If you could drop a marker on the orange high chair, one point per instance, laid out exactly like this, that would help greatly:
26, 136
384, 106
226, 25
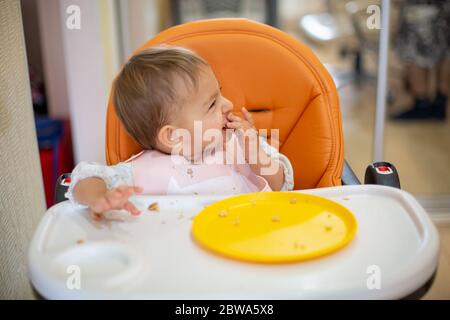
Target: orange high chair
286, 87
281, 82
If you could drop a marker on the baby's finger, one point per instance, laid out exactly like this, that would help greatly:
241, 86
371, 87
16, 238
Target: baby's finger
115, 194
127, 191
234, 125
135, 189
100, 205
233, 117
131, 208
116, 199
247, 115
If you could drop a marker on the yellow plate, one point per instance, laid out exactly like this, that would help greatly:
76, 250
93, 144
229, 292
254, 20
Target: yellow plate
274, 227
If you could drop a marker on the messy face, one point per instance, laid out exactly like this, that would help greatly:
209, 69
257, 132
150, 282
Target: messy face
204, 104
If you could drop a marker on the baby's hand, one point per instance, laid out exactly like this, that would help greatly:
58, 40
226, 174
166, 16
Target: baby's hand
116, 198
246, 133
242, 126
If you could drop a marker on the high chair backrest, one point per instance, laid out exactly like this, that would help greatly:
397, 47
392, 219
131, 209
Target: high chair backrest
275, 77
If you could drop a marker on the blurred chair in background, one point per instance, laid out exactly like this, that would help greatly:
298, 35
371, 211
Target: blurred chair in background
345, 22
423, 44
367, 44
367, 38
260, 10
333, 25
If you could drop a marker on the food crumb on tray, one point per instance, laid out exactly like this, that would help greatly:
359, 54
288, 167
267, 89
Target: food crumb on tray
153, 207
80, 241
223, 213
96, 216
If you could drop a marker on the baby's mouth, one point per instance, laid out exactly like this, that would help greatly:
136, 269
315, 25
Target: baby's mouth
225, 134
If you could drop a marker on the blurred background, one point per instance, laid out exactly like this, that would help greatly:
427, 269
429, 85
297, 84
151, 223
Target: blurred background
74, 48
71, 71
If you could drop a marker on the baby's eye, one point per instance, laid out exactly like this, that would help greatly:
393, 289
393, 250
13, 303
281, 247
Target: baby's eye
212, 105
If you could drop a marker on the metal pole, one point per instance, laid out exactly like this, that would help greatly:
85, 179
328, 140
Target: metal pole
380, 112
124, 34
175, 12
272, 13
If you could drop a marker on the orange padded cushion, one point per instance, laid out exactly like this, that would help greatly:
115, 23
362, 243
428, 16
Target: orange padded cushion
263, 69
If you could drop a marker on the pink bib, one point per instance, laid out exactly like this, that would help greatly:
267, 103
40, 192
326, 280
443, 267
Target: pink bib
159, 174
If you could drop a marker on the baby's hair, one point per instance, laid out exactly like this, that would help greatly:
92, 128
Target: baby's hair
143, 92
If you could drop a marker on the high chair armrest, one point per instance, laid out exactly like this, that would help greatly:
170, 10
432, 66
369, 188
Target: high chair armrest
348, 176
382, 173
62, 184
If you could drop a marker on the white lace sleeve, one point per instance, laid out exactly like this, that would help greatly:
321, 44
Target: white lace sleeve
114, 176
283, 160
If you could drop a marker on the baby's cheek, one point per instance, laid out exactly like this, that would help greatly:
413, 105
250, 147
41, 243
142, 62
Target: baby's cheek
206, 125
212, 122
219, 119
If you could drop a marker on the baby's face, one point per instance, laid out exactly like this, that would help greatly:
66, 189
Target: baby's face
205, 105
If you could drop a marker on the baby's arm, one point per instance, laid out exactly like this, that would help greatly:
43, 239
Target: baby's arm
102, 188
281, 163
270, 164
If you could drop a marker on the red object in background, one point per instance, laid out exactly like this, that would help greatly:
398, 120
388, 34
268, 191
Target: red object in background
65, 165
384, 169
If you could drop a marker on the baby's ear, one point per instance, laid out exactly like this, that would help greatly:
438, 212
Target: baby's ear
166, 138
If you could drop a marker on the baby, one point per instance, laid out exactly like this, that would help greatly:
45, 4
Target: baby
163, 96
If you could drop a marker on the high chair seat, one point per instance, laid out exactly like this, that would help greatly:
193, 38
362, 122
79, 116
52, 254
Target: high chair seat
287, 88
281, 82
275, 77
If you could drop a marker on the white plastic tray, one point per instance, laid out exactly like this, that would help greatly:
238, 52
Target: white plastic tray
155, 257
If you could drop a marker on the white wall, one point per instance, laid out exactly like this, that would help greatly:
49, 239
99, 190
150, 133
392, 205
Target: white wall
87, 86
79, 67
53, 58
140, 22
80, 64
